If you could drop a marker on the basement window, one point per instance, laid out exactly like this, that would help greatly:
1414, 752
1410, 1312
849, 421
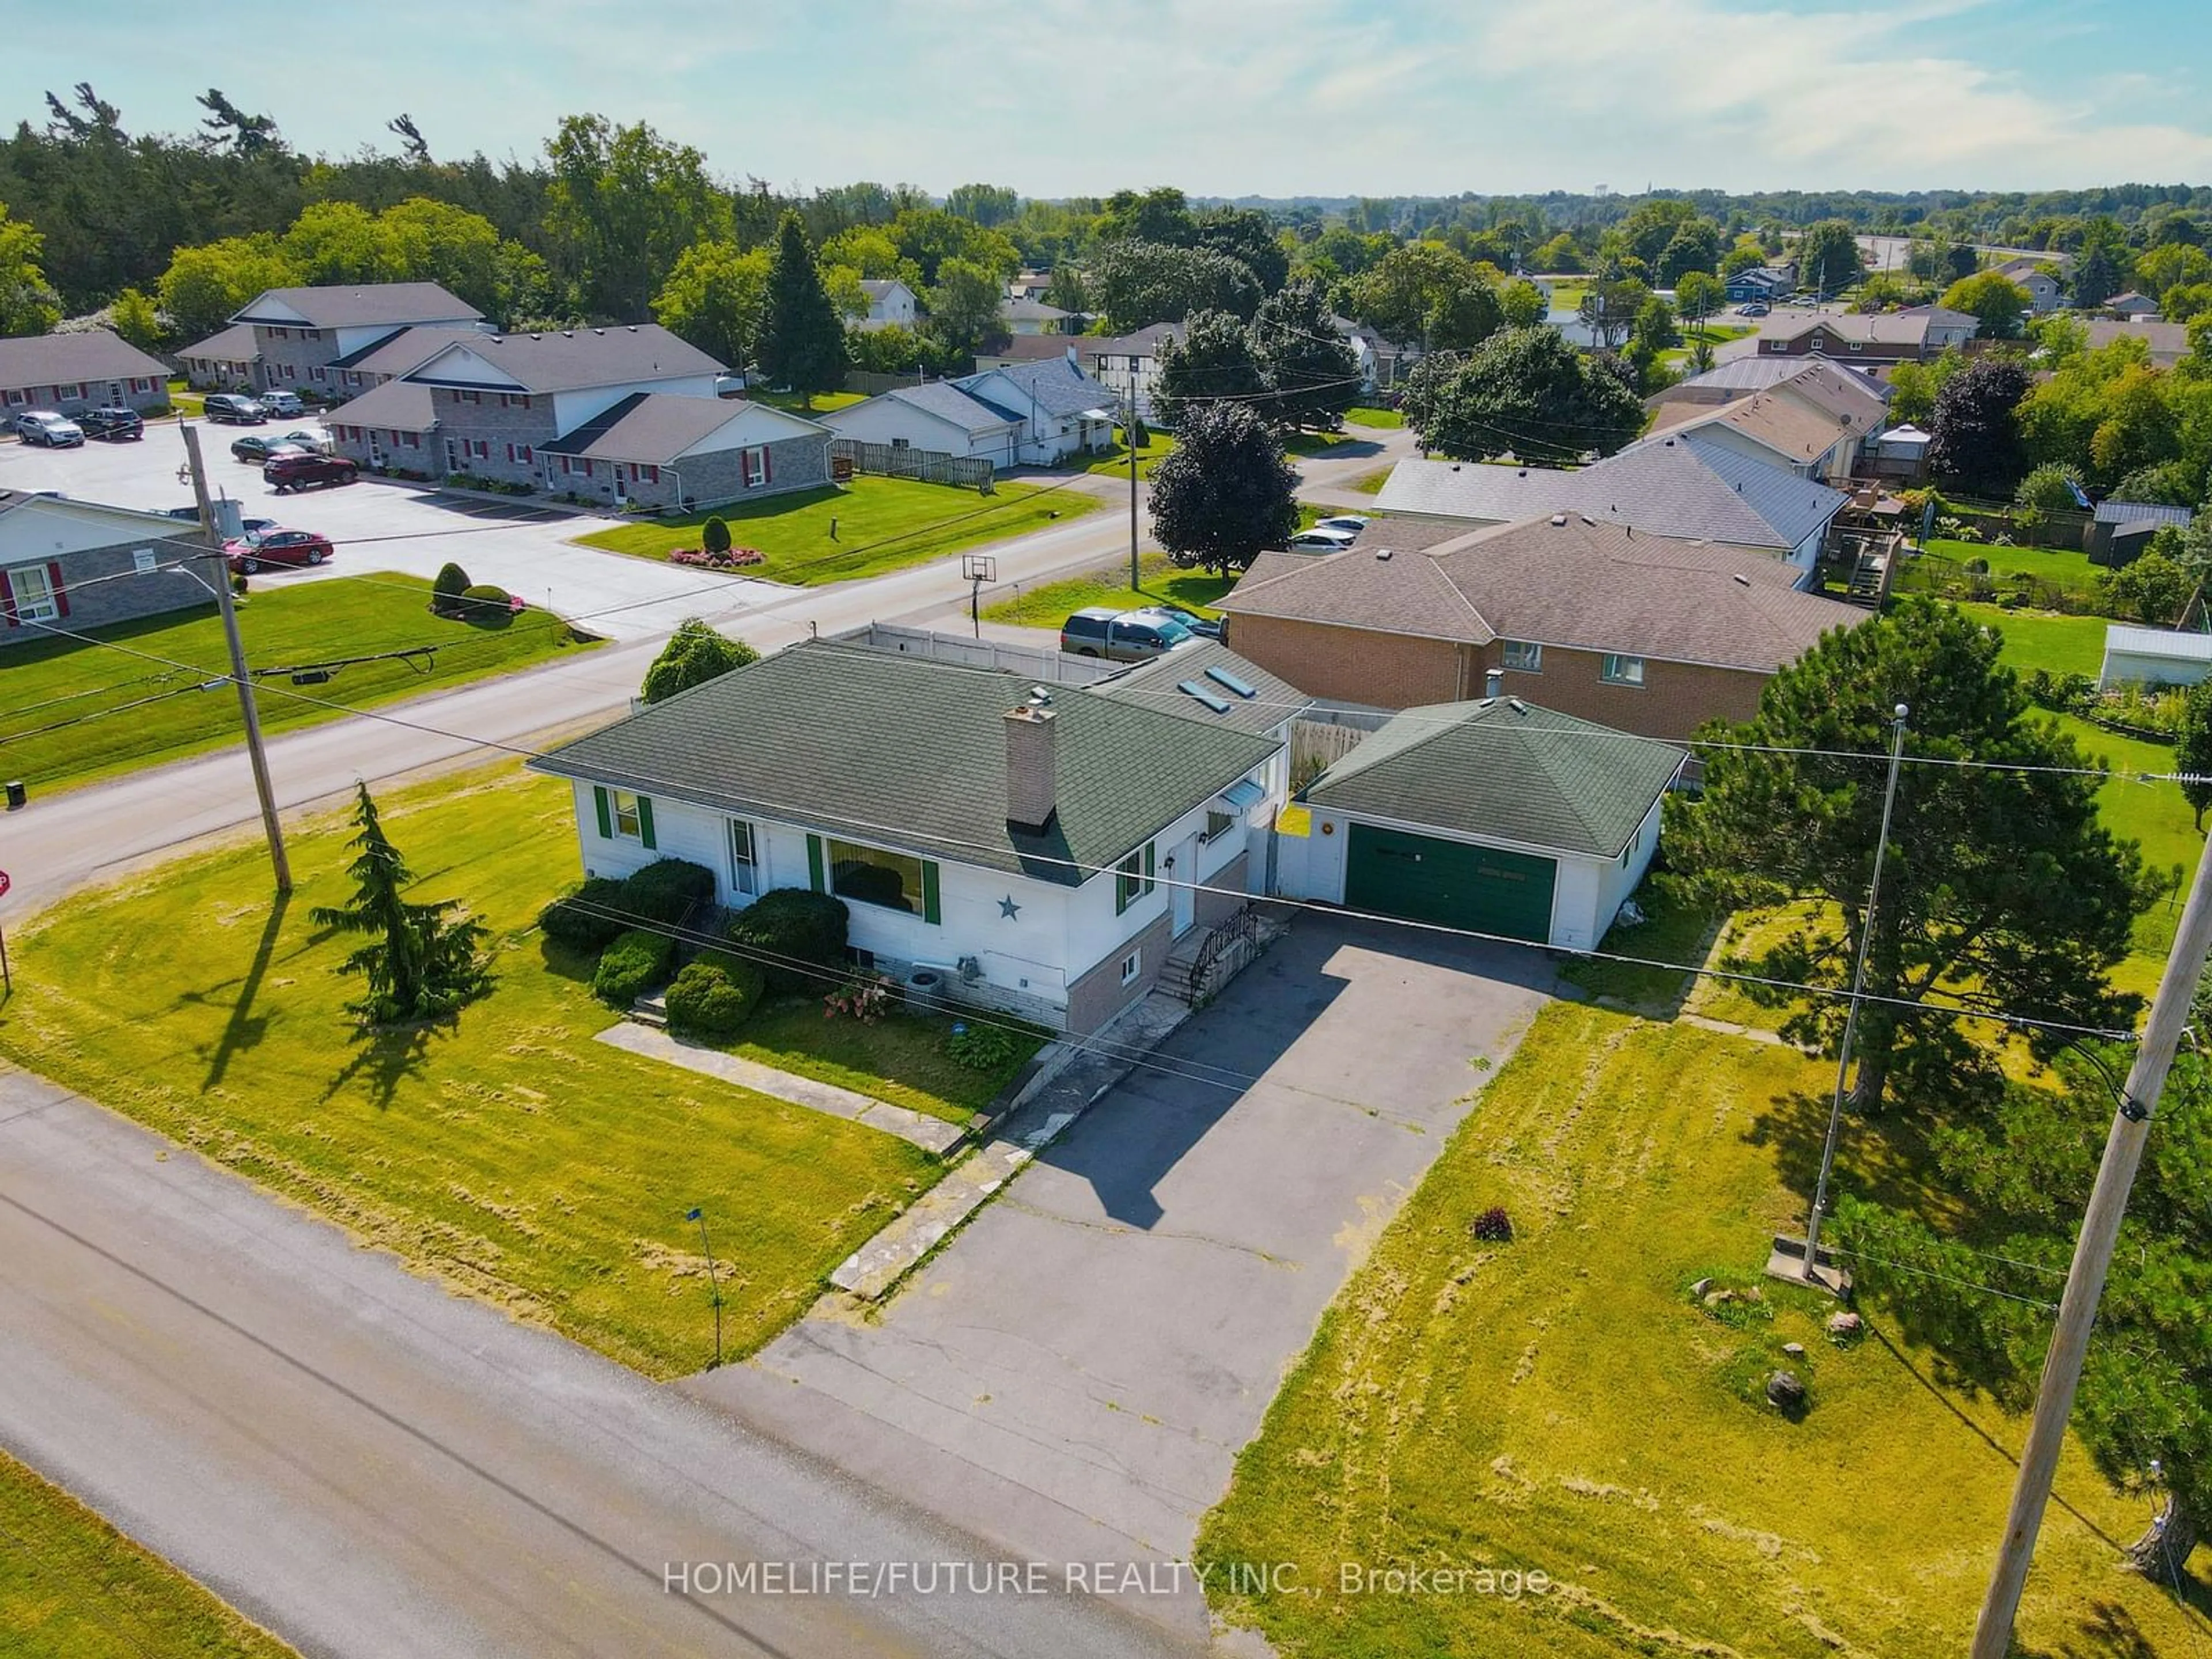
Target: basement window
1132, 965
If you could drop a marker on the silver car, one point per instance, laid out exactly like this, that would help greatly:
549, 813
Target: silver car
45, 427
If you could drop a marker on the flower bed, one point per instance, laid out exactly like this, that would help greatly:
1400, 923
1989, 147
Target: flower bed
729, 560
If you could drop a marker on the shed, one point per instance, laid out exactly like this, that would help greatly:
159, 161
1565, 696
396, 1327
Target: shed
2120, 530
2154, 656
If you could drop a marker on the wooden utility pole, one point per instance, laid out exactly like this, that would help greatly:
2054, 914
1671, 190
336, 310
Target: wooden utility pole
1129, 431
238, 677
2092, 1259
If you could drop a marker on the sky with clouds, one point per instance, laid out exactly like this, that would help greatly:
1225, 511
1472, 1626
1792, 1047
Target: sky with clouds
1222, 97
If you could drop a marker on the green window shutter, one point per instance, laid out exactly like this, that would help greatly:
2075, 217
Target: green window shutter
606, 813
930, 911
1148, 866
645, 822
814, 863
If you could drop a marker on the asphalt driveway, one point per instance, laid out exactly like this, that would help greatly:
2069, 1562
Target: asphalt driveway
1073, 1378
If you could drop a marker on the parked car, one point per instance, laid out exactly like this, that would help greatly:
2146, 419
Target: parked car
1318, 540
297, 470
247, 526
116, 425
1752, 308
1207, 627
250, 553
284, 405
1354, 522
1121, 636
256, 447
232, 409
51, 431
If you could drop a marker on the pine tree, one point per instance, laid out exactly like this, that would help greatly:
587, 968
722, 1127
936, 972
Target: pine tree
802, 339
421, 962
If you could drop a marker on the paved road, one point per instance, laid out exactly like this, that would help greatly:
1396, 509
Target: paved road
1078, 1372
372, 1468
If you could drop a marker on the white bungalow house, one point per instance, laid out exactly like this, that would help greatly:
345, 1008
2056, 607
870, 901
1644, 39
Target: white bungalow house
891, 303
1025, 414
1041, 850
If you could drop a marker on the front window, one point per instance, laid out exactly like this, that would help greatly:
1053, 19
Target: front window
1523, 657
627, 820
870, 875
744, 863
33, 591
755, 463
1218, 822
1622, 670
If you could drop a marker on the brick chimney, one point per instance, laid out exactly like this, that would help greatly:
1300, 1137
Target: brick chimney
1032, 746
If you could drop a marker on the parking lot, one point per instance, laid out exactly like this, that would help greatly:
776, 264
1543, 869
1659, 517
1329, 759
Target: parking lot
383, 526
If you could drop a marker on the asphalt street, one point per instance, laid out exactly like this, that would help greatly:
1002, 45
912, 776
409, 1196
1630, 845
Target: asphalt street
374, 1468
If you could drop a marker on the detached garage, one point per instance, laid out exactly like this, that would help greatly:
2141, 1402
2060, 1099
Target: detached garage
1495, 815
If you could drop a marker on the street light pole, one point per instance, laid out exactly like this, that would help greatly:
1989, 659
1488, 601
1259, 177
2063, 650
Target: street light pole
714, 1285
270, 825
2092, 1259
1851, 1018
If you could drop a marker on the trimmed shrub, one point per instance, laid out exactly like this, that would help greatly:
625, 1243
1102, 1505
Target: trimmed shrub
788, 930
666, 890
981, 1047
715, 536
711, 1000
568, 922
487, 604
632, 965
1493, 1226
446, 590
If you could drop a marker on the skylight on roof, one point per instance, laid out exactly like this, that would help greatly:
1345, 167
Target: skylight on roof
1223, 676
1193, 689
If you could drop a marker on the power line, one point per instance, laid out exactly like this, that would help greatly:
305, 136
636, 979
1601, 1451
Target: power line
896, 832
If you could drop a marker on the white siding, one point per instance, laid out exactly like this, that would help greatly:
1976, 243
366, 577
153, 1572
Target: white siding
886, 420
2140, 668
572, 409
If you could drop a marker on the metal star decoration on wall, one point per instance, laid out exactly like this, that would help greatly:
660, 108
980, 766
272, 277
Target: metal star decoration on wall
1008, 909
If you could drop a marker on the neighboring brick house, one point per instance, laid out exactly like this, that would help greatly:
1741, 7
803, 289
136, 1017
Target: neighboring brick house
89, 369
224, 362
495, 401
1648, 634
298, 333
82, 564
1041, 851
1888, 337
658, 449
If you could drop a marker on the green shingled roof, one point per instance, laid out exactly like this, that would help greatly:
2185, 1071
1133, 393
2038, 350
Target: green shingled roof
912, 754
1506, 770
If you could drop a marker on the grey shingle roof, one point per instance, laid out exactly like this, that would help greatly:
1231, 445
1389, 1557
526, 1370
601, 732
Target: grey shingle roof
1665, 487
355, 304
233, 344
658, 426
1506, 770
1059, 386
1157, 685
2141, 513
404, 349
912, 754
1582, 584
397, 405
1754, 374
943, 398
571, 358
94, 353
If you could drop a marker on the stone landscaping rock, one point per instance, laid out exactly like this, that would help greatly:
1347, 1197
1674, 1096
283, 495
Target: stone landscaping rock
1846, 1327
1795, 1350
1784, 1389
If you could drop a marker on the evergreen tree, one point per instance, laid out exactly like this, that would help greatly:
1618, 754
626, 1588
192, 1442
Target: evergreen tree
1525, 391
802, 338
1213, 361
2192, 749
422, 961
694, 654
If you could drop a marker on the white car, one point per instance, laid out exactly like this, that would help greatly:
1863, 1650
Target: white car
43, 426
1318, 540
282, 404
1354, 522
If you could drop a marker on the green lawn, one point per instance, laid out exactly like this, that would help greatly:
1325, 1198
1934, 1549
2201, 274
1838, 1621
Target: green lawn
182, 397
1115, 464
78, 712
1365, 415
1048, 606
1560, 1404
823, 403
1317, 443
902, 1058
71, 1587
2069, 571
510, 1156
880, 523
1566, 296
2042, 639
1370, 483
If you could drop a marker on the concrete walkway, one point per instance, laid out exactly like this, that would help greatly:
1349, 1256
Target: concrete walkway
932, 1134
871, 1270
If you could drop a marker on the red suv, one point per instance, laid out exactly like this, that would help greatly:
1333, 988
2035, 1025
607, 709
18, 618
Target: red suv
289, 473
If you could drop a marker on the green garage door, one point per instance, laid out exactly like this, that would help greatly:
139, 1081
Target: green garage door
1426, 879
